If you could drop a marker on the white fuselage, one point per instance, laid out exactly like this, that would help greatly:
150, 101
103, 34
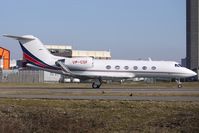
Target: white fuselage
123, 69
132, 68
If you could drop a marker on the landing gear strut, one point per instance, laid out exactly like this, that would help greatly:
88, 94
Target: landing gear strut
97, 83
179, 83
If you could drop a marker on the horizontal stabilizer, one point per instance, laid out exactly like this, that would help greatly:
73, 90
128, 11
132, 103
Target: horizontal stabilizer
26, 37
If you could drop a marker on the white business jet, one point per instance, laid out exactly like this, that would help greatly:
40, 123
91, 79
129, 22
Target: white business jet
37, 55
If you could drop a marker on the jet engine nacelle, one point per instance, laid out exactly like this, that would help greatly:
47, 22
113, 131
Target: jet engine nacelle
80, 63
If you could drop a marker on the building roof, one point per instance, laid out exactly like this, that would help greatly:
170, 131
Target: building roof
58, 47
79, 53
83, 53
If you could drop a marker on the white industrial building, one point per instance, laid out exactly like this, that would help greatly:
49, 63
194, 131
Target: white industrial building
57, 47
51, 77
67, 51
94, 54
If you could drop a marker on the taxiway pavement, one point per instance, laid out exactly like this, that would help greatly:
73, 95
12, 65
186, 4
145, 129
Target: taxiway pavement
146, 94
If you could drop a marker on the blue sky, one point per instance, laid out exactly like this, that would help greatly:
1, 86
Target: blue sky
130, 29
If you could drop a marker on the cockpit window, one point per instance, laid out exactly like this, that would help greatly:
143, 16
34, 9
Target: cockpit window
178, 65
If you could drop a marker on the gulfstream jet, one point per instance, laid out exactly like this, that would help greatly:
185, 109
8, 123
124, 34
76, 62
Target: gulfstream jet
37, 55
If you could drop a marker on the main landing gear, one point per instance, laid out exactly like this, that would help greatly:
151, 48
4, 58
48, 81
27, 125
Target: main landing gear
179, 83
97, 83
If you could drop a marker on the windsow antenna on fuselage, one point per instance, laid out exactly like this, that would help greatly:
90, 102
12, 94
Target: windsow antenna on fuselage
149, 59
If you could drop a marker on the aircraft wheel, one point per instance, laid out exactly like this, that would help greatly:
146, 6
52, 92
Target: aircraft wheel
179, 85
95, 86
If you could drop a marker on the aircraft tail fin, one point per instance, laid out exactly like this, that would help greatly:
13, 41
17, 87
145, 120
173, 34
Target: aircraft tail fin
34, 51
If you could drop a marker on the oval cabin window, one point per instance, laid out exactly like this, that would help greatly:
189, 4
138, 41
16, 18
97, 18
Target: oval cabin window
117, 67
144, 67
153, 67
126, 67
135, 68
108, 67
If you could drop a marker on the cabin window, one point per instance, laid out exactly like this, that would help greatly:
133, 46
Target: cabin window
135, 68
126, 67
108, 67
117, 67
144, 67
153, 67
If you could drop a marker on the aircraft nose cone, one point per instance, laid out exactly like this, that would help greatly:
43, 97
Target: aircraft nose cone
192, 73
189, 73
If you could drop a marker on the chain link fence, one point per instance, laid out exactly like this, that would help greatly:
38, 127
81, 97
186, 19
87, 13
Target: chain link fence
22, 76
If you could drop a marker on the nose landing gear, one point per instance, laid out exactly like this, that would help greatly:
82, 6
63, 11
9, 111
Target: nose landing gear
179, 83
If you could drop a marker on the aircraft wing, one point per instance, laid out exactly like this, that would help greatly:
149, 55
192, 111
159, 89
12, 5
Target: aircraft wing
105, 76
61, 64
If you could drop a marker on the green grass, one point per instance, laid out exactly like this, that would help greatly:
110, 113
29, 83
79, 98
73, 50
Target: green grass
45, 116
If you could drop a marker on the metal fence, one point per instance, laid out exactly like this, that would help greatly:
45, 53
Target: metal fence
0, 75
22, 76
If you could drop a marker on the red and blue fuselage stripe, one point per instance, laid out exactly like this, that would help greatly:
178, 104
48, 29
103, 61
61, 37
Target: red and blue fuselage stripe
34, 60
